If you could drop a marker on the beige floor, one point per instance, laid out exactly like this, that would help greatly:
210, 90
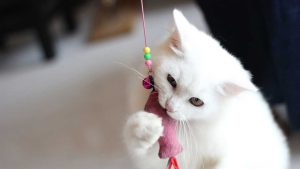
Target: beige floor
69, 114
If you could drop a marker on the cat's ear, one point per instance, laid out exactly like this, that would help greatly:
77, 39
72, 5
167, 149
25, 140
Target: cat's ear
182, 26
237, 84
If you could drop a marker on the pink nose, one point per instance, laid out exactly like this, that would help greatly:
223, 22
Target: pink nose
169, 107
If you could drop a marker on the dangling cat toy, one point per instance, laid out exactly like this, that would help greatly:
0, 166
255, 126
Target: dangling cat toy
169, 146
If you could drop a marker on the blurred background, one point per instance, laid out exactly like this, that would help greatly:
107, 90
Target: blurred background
65, 92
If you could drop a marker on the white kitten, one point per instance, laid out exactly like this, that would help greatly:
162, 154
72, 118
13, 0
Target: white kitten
224, 122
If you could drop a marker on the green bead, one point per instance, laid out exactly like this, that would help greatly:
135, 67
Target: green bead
147, 56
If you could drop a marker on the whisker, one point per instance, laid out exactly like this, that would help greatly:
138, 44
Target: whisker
156, 82
187, 135
142, 76
151, 84
193, 138
187, 143
130, 68
196, 148
182, 140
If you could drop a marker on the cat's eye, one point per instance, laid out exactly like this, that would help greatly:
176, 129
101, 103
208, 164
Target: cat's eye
196, 101
172, 81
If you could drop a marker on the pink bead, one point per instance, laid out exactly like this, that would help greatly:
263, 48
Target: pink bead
148, 63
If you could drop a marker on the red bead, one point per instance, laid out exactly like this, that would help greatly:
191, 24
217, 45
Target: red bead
147, 83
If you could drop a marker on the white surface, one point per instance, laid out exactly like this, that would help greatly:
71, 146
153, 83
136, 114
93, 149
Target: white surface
69, 114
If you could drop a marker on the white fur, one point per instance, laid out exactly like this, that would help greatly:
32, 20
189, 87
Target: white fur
234, 129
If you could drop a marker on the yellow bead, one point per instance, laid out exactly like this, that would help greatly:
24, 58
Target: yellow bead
147, 50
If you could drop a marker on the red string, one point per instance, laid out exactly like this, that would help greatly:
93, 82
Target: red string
144, 23
173, 163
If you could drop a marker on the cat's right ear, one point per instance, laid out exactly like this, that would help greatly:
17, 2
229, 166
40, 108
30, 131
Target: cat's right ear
237, 83
179, 33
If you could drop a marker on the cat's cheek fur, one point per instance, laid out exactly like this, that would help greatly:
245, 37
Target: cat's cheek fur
163, 88
162, 98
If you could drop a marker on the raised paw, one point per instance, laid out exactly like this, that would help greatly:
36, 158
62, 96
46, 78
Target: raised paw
143, 130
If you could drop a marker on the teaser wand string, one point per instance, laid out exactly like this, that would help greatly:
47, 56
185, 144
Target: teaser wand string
148, 82
144, 23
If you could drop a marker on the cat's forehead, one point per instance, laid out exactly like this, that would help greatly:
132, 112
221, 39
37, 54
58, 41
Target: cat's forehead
187, 74
193, 79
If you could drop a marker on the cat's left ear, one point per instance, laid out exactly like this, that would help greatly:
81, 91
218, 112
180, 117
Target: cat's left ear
237, 84
182, 26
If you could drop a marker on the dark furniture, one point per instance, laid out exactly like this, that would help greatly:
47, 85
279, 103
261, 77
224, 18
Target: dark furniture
19, 15
265, 35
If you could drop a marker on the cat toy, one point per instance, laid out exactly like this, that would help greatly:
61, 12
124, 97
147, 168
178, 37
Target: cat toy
169, 146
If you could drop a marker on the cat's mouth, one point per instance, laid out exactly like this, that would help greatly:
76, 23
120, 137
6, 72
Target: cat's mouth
172, 114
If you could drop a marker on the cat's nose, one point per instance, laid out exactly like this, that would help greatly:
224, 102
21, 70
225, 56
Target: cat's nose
169, 106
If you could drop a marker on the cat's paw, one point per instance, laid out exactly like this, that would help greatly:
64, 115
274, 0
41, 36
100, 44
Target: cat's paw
143, 130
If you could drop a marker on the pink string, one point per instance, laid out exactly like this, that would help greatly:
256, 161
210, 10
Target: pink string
144, 23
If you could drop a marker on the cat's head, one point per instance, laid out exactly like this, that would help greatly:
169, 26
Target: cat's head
194, 75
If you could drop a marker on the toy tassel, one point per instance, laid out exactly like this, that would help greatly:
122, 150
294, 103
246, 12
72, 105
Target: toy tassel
172, 163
